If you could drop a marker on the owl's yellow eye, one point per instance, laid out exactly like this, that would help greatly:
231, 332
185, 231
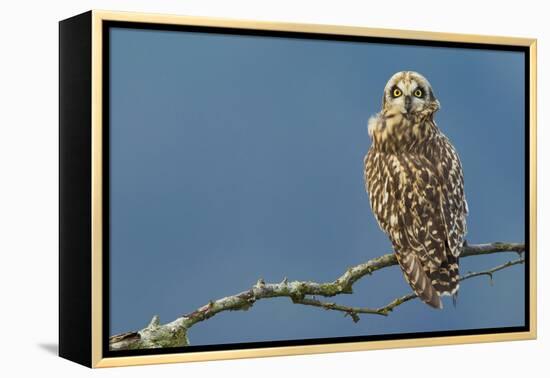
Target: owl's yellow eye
418, 93
397, 92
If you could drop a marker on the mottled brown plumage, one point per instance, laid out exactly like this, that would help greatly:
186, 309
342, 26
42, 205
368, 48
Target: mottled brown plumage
415, 184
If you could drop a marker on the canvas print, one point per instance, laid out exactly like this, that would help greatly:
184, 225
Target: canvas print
270, 189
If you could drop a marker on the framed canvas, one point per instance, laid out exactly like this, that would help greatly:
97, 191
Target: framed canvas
236, 189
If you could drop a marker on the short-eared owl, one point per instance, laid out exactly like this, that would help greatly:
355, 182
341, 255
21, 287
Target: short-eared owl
416, 187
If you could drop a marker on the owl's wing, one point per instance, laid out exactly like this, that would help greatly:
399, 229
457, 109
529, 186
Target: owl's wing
453, 200
406, 198
420, 223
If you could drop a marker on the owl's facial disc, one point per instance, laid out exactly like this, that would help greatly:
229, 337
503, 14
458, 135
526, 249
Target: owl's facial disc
410, 97
409, 93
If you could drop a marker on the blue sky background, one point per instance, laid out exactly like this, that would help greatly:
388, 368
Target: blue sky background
239, 157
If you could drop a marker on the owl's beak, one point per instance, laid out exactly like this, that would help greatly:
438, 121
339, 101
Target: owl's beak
408, 103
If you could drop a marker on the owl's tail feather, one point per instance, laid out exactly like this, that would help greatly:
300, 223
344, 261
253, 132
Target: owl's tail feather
418, 279
445, 279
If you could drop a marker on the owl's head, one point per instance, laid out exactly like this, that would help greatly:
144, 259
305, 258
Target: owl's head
409, 93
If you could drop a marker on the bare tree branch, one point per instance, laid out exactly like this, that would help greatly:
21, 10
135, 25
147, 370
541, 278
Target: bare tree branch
174, 334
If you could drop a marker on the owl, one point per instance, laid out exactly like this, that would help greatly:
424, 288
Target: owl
415, 185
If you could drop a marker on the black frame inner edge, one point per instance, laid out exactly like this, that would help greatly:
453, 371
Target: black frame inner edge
106, 25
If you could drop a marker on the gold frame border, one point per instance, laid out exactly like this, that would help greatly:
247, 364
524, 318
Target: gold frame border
97, 19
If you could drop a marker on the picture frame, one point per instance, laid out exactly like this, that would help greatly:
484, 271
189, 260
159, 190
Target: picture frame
91, 215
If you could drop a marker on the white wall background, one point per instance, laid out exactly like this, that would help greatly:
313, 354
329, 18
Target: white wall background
29, 189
